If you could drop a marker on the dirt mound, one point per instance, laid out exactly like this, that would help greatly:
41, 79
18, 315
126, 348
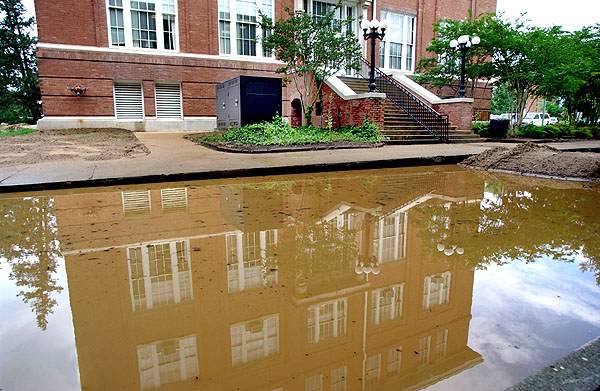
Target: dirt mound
534, 159
70, 144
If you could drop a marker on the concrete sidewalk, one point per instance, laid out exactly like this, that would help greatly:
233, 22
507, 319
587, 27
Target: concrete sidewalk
173, 158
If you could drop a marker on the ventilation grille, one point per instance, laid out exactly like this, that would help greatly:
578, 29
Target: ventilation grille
129, 102
136, 201
168, 100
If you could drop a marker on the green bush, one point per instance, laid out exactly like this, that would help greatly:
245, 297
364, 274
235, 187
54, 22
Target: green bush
279, 132
582, 132
532, 131
481, 128
594, 131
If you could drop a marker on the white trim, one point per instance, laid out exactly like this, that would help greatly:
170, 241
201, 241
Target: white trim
346, 93
148, 124
153, 52
158, 12
423, 92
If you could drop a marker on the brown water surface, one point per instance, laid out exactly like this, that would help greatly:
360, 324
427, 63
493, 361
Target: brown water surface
395, 279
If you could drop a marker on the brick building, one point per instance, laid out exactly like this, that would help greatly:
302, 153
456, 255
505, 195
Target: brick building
153, 64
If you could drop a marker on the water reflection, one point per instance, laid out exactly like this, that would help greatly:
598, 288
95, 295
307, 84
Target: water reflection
343, 282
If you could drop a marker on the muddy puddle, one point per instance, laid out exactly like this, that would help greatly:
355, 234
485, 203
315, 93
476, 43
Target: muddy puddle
432, 278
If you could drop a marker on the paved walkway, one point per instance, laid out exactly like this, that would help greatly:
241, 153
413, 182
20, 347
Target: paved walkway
174, 158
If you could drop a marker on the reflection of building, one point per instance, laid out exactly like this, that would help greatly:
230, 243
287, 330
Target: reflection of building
187, 299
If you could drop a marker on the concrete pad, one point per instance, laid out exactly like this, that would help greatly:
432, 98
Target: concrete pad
174, 158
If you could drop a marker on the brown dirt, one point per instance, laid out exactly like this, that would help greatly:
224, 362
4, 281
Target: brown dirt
69, 144
539, 160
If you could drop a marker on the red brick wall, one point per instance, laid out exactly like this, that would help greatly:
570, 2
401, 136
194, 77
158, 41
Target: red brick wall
459, 113
59, 69
352, 112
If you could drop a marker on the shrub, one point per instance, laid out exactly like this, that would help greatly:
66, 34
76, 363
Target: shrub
279, 132
594, 131
582, 132
532, 131
481, 128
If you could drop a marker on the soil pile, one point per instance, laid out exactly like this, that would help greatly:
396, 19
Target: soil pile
69, 144
542, 160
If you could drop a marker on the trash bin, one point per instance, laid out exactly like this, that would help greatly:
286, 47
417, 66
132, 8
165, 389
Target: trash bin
499, 128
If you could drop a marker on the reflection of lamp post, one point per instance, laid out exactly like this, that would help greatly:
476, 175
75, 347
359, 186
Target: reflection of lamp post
373, 35
463, 44
367, 266
450, 249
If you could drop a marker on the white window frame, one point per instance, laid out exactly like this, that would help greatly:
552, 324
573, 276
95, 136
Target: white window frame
405, 42
253, 344
314, 329
158, 11
436, 290
381, 311
233, 38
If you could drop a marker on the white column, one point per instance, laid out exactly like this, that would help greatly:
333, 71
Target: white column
146, 270
240, 260
155, 366
396, 236
175, 272
380, 249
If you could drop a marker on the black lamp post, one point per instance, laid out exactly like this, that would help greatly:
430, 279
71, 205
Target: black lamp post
463, 44
371, 31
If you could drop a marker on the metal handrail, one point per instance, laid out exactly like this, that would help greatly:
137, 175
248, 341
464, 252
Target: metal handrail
435, 123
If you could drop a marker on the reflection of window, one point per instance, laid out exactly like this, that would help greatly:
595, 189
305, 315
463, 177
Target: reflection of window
167, 361
441, 343
327, 320
136, 202
247, 262
338, 379
159, 274
386, 303
174, 199
254, 339
393, 361
436, 290
373, 370
389, 238
424, 344
314, 383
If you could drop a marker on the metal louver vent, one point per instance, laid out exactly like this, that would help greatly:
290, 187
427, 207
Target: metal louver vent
129, 102
174, 199
168, 100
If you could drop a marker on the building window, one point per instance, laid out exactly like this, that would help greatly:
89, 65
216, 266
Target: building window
436, 290
389, 238
147, 24
159, 274
136, 202
254, 340
327, 320
117, 26
174, 199
394, 361
243, 39
398, 51
167, 361
386, 304
247, 261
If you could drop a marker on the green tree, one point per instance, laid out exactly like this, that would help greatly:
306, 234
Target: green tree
501, 99
312, 49
443, 69
30, 246
20, 91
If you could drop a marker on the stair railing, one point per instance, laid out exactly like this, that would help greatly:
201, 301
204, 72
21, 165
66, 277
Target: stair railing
435, 123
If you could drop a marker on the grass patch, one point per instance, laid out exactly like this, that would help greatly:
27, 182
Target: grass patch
17, 132
278, 132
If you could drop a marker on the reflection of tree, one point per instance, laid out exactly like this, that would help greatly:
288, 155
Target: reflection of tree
512, 222
30, 246
317, 250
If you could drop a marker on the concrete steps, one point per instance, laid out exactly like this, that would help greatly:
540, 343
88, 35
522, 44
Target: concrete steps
400, 128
